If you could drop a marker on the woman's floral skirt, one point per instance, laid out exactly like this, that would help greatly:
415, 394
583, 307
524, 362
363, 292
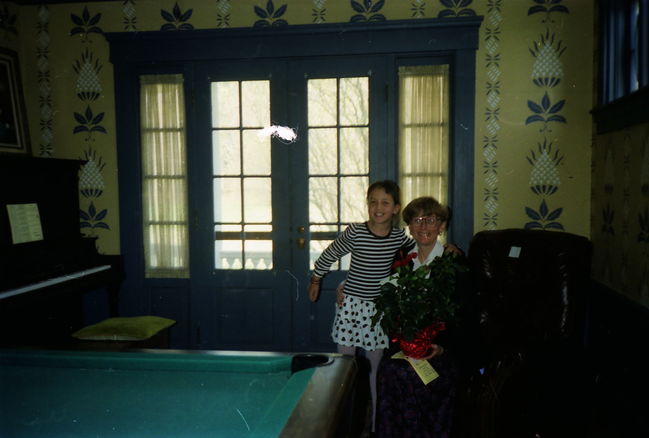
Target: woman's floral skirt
406, 408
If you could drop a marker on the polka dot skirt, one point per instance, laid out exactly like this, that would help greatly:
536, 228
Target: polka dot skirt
353, 325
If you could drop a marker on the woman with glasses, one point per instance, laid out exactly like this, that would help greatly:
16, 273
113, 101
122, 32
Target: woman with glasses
426, 219
406, 407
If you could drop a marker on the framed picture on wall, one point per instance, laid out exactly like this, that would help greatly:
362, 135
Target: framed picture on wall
14, 137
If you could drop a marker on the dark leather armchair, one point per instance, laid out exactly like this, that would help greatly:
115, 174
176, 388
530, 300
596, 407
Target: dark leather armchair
530, 375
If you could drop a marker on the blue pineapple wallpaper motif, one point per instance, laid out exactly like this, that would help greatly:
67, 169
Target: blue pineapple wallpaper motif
130, 16
643, 216
547, 7
547, 73
547, 70
608, 213
319, 11
367, 10
620, 228
490, 141
88, 90
223, 8
544, 181
270, 16
625, 212
456, 8
545, 112
85, 24
45, 148
176, 19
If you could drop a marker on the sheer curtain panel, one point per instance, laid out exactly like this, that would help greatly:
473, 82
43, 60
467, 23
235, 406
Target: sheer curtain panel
424, 131
164, 176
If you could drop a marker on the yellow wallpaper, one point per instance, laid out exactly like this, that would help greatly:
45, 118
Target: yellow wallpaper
533, 127
620, 199
534, 90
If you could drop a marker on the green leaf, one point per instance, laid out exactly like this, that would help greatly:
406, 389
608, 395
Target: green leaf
420, 298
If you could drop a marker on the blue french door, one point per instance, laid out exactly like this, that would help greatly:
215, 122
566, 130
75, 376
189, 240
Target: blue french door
263, 205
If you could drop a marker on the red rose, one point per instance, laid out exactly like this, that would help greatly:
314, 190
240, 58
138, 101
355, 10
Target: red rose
404, 261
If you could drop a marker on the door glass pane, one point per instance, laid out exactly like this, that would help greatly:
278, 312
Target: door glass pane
259, 253
325, 191
323, 154
354, 102
338, 117
255, 99
352, 199
257, 200
228, 253
256, 153
225, 105
354, 147
241, 182
226, 158
227, 200
322, 102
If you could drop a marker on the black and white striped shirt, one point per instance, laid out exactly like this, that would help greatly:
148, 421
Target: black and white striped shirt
371, 258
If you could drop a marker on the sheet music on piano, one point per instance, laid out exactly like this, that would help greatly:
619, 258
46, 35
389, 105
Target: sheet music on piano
25, 222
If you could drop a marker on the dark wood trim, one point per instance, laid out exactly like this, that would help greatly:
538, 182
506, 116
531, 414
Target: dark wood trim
626, 111
425, 35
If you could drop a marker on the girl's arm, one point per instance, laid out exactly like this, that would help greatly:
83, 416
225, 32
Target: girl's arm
341, 246
314, 288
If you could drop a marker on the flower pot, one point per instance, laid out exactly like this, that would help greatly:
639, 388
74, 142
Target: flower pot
419, 346
415, 348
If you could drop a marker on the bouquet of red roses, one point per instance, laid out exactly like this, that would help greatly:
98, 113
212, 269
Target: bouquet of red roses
415, 304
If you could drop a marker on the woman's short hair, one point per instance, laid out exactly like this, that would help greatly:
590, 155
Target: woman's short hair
425, 206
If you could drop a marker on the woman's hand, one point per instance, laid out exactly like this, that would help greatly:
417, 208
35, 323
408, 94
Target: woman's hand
340, 295
435, 350
450, 247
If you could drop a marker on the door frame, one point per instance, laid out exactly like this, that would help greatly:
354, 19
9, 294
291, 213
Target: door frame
136, 53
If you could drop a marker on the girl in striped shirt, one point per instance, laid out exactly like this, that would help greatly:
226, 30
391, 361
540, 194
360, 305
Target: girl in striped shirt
372, 245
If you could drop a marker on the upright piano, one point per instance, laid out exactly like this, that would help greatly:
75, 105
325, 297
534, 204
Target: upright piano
45, 272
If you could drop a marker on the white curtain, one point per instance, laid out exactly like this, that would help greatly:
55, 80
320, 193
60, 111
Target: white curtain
423, 131
164, 176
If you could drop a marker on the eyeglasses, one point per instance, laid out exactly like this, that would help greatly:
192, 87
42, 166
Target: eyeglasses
429, 220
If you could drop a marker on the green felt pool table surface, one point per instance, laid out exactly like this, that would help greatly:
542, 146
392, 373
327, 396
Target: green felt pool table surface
170, 394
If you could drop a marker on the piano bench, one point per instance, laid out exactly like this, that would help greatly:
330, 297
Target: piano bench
125, 333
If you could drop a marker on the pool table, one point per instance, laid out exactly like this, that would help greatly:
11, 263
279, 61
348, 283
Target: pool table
173, 393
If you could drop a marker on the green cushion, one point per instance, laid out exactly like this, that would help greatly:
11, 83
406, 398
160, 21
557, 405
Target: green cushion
133, 328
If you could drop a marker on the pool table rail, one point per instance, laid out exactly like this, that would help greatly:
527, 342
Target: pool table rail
321, 409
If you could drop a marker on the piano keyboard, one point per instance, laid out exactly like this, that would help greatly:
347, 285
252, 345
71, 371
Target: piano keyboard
52, 281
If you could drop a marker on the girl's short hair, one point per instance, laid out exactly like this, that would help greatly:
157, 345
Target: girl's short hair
425, 206
390, 187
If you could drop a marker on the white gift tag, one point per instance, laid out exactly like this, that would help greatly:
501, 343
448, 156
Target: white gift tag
515, 252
